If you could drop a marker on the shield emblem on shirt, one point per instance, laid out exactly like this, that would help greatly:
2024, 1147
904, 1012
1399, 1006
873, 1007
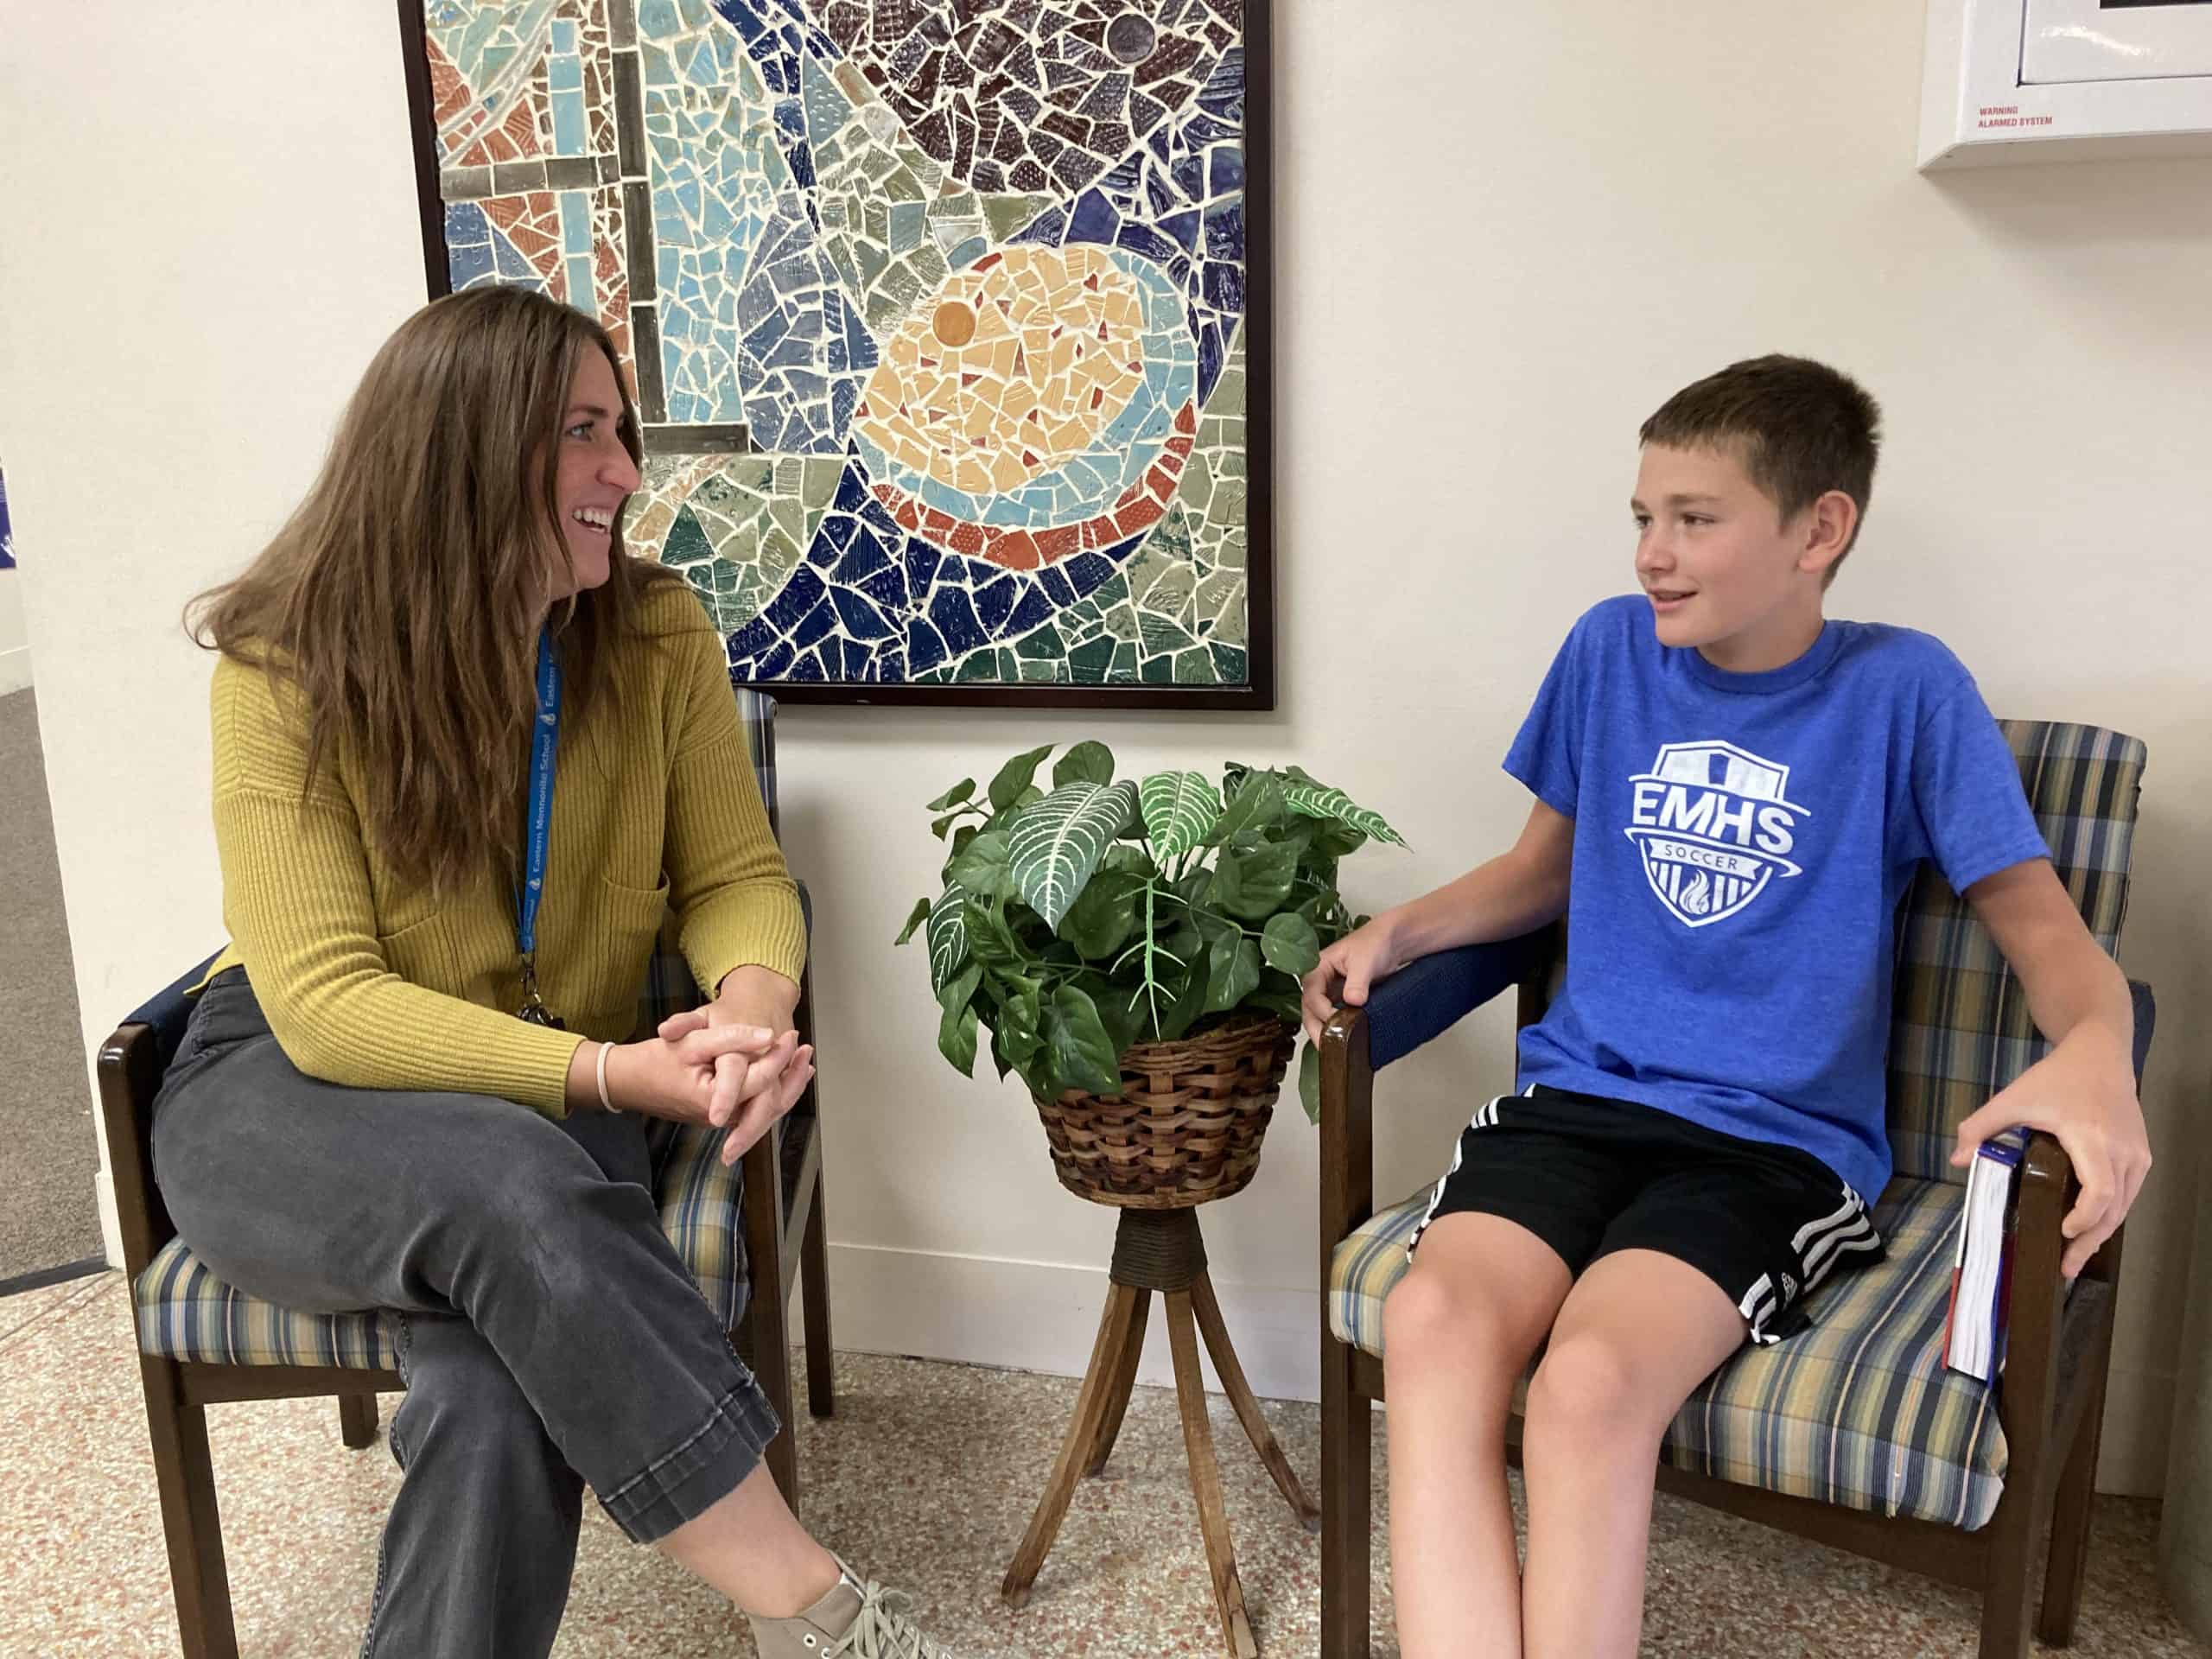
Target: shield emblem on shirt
1714, 824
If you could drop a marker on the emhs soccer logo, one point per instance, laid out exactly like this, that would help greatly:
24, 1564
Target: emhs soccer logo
1714, 825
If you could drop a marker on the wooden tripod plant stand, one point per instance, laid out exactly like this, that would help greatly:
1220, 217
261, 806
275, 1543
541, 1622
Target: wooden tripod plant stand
1158, 1246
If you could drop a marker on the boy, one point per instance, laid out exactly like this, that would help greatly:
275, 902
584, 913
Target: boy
1736, 792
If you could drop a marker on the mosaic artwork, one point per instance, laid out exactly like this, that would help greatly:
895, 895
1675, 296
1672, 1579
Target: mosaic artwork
936, 311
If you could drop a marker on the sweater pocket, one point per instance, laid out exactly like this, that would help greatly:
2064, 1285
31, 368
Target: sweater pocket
430, 953
632, 919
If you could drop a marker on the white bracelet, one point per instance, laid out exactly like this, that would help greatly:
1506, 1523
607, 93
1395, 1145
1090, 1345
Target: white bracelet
604, 1102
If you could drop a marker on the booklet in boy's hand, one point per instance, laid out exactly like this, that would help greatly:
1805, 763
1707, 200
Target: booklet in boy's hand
1982, 1269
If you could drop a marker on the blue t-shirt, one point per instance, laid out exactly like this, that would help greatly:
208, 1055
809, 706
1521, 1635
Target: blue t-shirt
1741, 844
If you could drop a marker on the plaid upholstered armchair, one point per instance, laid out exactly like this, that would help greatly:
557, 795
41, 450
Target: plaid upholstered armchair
201, 1341
1852, 1433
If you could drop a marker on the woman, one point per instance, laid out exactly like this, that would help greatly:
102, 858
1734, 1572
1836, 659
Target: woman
446, 628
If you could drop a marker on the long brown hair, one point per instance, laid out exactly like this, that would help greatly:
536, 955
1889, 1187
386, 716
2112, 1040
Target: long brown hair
401, 600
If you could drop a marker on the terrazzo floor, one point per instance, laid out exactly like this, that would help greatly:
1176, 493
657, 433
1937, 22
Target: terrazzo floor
925, 1479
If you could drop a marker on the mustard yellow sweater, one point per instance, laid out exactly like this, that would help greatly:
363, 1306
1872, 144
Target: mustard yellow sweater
367, 981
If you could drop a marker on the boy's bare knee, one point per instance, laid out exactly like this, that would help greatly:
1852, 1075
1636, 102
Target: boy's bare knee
1428, 1320
1586, 1393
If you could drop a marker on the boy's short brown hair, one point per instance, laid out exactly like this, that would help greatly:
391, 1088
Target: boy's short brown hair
1800, 429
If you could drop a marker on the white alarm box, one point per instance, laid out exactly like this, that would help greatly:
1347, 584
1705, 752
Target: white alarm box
2051, 80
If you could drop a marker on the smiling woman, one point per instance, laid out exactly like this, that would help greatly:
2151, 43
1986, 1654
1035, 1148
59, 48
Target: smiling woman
446, 629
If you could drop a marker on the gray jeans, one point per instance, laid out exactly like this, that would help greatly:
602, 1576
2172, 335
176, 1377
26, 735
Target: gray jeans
549, 1336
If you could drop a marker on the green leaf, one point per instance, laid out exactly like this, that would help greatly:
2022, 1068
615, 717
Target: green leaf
1232, 962
959, 793
915, 917
948, 935
1253, 885
1013, 777
1057, 845
963, 836
1338, 840
1309, 1082
1018, 1029
1312, 800
1083, 1055
1086, 763
1120, 856
938, 826
1233, 973
991, 939
980, 866
1186, 1001
1120, 1005
1099, 921
1288, 944
1180, 810
1279, 996
956, 1031
1254, 804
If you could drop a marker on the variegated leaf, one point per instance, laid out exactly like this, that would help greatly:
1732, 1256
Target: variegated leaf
1055, 844
947, 933
1180, 810
1312, 801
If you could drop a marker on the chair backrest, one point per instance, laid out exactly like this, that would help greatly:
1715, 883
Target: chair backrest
1960, 1029
669, 987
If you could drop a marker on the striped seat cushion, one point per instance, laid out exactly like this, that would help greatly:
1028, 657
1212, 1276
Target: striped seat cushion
186, 1313
1858, 1411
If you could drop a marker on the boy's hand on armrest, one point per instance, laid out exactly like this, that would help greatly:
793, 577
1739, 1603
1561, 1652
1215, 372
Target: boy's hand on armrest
2083, 1091
1348, 970
1515, 893
2083, 1094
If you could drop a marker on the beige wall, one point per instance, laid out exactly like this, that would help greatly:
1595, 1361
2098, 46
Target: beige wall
1504, 239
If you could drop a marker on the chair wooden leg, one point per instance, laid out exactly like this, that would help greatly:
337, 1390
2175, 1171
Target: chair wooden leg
766, 1314
2012, 1537
185, 1477
2069, 1527
814, 1289
1122, 1384
1248, 1409
1347, 1507
1115, 1327
771, 1368
1205, 1480
357, 1420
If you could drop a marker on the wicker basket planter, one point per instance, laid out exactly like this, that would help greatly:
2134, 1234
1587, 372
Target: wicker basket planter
1186, 1127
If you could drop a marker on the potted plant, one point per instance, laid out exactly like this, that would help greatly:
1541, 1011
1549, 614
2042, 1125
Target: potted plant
1134, 948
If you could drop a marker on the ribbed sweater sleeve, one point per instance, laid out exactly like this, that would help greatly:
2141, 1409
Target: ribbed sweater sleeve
732, 897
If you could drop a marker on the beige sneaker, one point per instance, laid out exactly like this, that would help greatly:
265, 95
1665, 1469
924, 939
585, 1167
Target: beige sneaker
855, 1620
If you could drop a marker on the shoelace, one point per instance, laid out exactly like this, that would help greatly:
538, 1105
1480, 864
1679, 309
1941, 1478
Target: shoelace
881, 1630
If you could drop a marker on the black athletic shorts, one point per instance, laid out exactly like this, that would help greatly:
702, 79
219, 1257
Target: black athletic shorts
1766, 1222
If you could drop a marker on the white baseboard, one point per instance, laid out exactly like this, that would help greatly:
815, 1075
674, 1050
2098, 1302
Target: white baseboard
1036, 1316
15, 670
111, 1221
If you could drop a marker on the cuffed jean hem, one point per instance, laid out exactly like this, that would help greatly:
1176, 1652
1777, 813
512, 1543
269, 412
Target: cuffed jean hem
693, 1477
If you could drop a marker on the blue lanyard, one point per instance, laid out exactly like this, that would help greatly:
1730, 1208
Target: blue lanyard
545, 736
